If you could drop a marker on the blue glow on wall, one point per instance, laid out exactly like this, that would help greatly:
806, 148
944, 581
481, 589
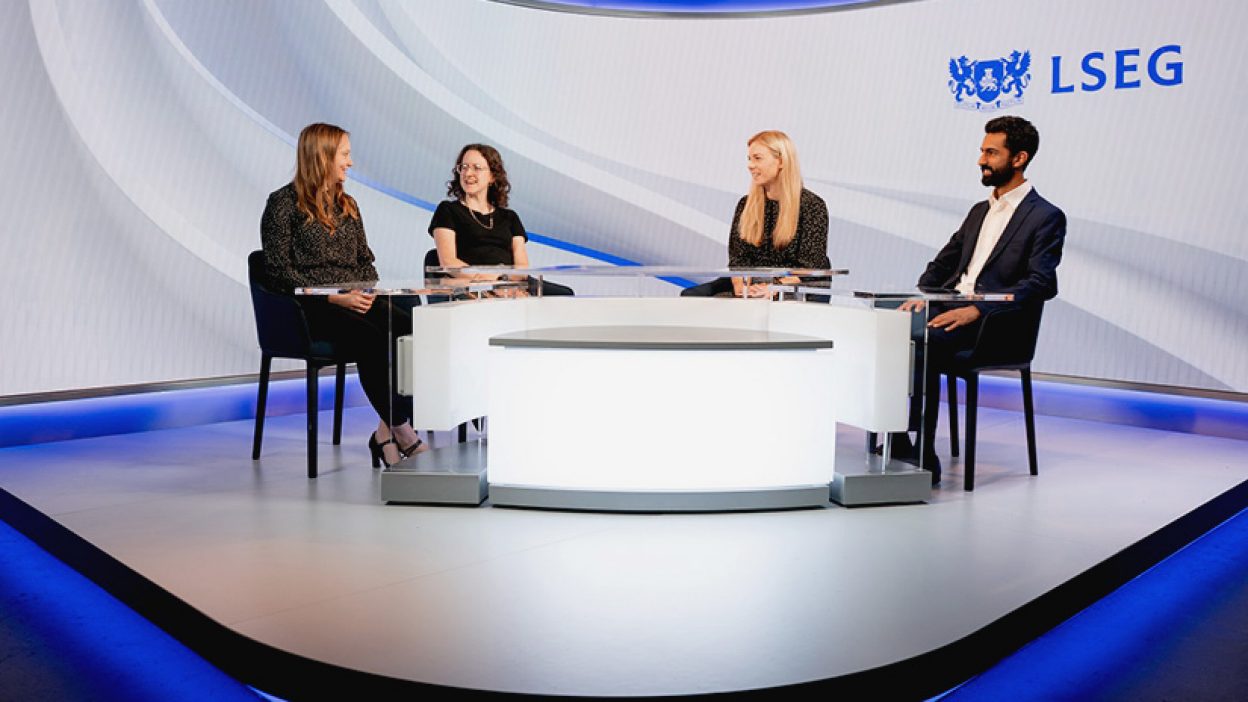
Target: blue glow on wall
706, 6
125, 414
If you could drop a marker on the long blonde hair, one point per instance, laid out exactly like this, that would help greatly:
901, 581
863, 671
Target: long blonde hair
318, 193
789, 182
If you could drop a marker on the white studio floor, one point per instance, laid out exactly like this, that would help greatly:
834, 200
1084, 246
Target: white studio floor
608, 604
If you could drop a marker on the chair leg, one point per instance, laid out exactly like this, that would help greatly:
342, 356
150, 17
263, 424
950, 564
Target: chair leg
951, 382
1029, 417
262, 399
340, 384
312, 412
972, 409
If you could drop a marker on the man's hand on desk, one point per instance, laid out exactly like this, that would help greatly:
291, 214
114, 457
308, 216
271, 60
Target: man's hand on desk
954, 318
356, 300
914, 304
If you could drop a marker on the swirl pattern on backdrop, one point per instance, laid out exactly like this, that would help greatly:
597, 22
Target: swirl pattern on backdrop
152, 130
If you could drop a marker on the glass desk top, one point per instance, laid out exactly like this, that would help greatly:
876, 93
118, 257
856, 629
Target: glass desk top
408, 287
650, 271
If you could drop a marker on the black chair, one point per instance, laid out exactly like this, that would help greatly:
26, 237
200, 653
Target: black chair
431, 260
1006, 342
283, 333
433, 279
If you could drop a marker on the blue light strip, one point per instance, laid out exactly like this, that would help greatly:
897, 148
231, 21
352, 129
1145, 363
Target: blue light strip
1112, 647
697, 7
79, 642
392, 192
599, 255
1147, 410
125, 414
128, 414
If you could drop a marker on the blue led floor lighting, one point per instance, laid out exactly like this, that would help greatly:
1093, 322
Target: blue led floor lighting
123, 414
1118, 648
62, 637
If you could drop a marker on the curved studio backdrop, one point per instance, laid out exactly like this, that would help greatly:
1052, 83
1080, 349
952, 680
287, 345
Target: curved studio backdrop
146, 134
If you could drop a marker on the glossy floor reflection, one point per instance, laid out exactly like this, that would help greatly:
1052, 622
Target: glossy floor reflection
608, 604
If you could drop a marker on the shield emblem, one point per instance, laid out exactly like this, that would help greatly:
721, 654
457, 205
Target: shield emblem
988, 76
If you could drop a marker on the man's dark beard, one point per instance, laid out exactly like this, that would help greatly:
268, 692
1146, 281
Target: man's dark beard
997, 178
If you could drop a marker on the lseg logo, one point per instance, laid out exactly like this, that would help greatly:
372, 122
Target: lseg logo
987, 85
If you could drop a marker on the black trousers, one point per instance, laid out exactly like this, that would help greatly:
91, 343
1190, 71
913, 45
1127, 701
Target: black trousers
715, 288
938, 354
548, 288
369, 338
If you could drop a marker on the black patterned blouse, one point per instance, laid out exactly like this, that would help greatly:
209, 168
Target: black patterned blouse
808, 249
299, 253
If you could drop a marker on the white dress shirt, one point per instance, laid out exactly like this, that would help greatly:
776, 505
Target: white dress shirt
1000, 210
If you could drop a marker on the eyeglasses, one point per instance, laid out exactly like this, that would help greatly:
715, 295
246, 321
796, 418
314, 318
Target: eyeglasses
466, 168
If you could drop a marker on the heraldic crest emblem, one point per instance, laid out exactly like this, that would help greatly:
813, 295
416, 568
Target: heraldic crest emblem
990, 84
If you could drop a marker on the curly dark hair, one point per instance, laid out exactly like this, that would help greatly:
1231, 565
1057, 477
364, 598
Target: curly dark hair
499, 189
1020, 135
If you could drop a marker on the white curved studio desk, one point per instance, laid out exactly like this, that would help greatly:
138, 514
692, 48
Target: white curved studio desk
660, 418
653, 403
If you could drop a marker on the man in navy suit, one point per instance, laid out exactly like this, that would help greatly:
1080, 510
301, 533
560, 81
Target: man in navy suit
1009, 243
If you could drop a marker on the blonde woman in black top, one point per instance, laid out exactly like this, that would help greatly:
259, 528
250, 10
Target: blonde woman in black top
778, 224
312, 234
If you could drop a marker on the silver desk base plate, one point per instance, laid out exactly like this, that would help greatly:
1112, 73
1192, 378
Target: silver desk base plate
454, 475
900, 483
796, 497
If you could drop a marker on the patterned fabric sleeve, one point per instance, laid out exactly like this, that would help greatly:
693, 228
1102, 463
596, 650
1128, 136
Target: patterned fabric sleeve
736, 247
812, 235
277, 239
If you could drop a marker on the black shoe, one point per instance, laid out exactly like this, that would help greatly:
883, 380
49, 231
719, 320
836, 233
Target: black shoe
932, 464
902, 447
377, 449
415, 448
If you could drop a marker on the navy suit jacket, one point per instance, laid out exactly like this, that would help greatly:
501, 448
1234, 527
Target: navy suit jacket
1024, 261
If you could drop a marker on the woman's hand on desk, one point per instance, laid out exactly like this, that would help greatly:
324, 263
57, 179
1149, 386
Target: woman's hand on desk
752, 290
914, 304
506, 292
355, 300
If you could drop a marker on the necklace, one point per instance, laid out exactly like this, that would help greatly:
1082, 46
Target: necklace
485, 225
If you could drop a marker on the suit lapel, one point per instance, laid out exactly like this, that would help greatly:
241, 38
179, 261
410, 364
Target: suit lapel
1012, 227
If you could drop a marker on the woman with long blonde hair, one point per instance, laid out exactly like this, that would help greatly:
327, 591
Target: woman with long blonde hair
778, 224
312, 234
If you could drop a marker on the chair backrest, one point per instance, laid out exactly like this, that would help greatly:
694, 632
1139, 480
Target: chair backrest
1008, 336
280, 324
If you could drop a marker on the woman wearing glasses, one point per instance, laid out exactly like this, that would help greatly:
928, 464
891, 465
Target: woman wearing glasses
476, 228
778, 224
